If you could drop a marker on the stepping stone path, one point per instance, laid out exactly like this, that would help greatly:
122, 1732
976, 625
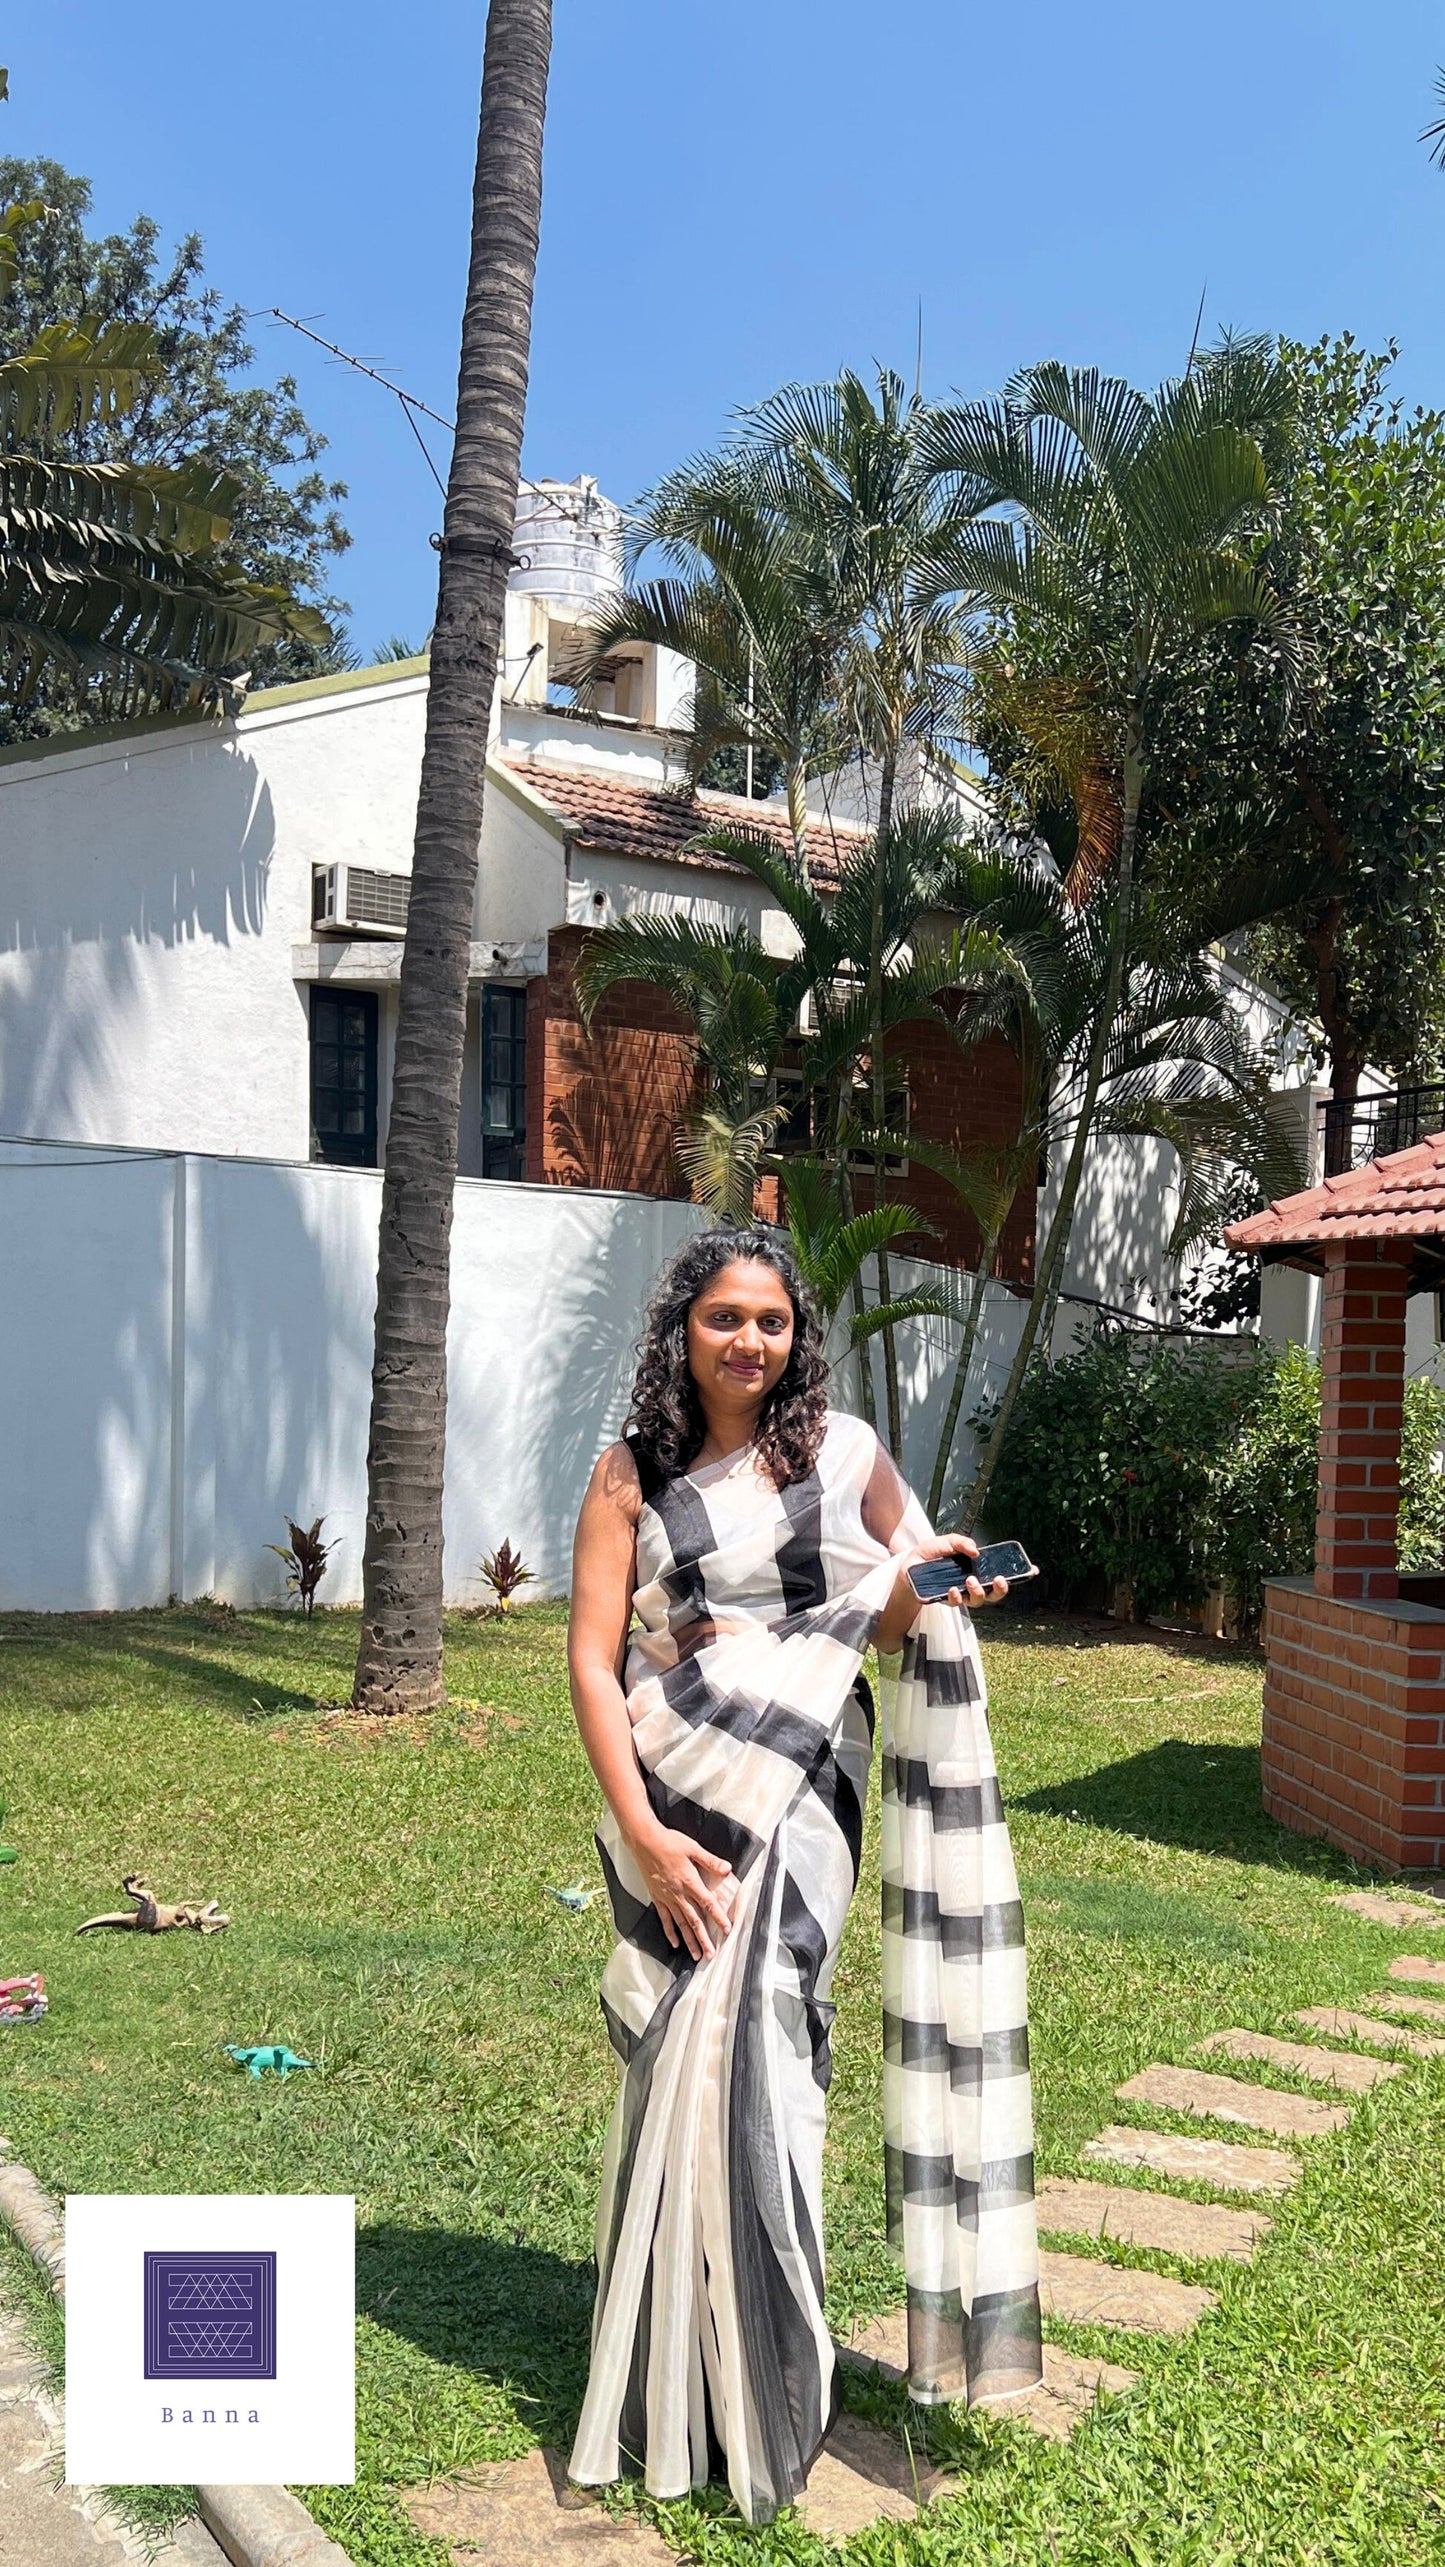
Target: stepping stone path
1092, 2294
1133, 2218
864, 2476
1226, 2099
1364, 2027
1410, 1966
1326, 2067
1230, 2169
521, 2513
1378, 1909
1071, 2381
1430, 2007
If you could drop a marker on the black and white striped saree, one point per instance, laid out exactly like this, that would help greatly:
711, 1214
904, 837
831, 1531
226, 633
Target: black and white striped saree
753, 1726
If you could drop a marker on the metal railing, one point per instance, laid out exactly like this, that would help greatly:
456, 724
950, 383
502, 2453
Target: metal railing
1362, 1128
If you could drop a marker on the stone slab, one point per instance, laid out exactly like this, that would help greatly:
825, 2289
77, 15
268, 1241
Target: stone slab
1409, 1965
1082, 2209
1429, 2009
521, 2513
1230, 2168
1094, 2294
1228, 2099
1364, 2027
1405, 1915
863, 2475
1070, 2386
1326, 2067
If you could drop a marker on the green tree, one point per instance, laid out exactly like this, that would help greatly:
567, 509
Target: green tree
399, 1662
197, 405
1338, 752
1122, 525
117, 580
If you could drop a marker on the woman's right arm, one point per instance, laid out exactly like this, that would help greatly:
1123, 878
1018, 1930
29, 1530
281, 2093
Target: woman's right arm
684, 1882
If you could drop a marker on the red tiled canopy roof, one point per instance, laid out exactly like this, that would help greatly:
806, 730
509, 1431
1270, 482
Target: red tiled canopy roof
1401, 1197
639, 820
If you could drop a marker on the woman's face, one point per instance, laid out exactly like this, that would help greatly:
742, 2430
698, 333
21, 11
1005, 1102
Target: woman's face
739, 1335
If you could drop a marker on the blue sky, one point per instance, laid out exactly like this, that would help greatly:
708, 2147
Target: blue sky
739, 191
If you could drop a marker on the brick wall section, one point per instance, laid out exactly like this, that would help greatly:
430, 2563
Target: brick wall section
1362, 1387
1354, 1724
602, 1106
963, 1099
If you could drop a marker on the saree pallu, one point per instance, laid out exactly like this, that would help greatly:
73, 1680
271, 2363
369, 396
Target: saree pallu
753, 1728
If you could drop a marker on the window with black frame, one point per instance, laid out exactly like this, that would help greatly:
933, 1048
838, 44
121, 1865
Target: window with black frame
343, 1077
504, 1082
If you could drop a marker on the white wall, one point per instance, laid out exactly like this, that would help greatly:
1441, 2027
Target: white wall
196, 1337
153, 887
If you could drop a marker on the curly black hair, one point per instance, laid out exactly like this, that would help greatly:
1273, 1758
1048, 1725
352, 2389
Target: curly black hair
666, 1419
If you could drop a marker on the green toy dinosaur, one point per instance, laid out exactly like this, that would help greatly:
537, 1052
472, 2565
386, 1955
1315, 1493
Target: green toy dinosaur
7, 1852
275, 2055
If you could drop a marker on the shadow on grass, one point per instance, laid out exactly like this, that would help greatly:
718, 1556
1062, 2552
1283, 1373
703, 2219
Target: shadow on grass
1203, 1795
513, 2314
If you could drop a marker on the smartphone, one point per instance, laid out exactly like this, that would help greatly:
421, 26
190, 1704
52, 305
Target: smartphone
931, 1579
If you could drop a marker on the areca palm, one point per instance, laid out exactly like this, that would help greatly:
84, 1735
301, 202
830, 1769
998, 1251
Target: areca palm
116, 574
1120, 525
1179, 1068
749, 608
850, 471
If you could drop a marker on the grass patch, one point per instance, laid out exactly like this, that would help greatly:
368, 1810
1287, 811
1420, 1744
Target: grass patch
392, 1921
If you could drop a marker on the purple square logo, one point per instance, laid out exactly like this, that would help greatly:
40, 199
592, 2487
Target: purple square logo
210, 2317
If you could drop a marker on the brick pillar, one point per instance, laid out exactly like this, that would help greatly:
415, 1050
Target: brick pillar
1362, 1386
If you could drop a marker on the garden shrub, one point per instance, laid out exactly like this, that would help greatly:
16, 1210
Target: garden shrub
1172, 1471
1109, 1469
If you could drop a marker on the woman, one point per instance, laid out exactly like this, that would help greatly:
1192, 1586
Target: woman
761, 1540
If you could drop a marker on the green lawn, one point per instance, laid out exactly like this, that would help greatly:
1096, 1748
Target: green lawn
391, 1921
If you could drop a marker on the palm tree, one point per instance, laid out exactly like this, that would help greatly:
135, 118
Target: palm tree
742, 1002
399, 1663
745, 1006
116, 575
852, 476
750, 611
1180, 1069
1129, 524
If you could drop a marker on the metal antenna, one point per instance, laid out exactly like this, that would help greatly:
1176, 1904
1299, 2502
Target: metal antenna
918, 370
1198, 318
408, 399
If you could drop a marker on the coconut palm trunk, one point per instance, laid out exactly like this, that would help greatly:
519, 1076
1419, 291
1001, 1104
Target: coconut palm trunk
399, 1664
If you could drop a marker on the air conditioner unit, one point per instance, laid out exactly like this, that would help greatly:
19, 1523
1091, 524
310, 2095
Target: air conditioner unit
357, 900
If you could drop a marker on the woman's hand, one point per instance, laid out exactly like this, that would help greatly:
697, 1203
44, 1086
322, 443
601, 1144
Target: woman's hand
691, 1889
904, 1603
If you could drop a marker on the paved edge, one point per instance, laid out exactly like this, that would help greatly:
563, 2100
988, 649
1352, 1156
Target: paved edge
256, 2526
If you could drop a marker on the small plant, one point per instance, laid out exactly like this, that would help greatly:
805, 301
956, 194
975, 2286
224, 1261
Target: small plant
504, 1570
307, 1558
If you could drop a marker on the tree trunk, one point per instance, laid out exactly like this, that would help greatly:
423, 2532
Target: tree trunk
1051, 1260
880, 1094
988, 1251
399, 1664
797, 784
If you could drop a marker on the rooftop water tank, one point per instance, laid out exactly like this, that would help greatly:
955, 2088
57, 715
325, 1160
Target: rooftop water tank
569, 542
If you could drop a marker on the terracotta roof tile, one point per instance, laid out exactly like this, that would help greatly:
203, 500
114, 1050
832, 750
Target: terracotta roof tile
1401, 1197
642, 820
